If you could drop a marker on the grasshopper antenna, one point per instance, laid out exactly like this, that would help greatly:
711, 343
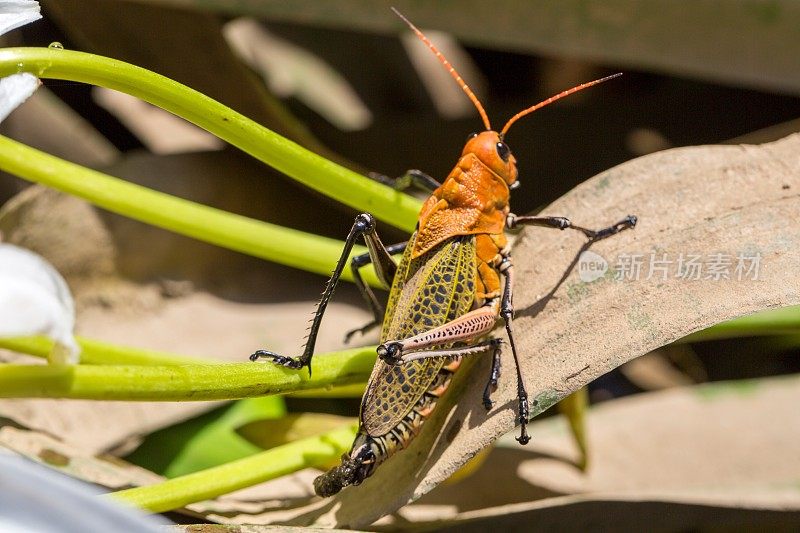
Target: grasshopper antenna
449, 68
552, 99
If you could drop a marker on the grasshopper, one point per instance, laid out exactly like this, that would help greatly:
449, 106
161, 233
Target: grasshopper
446, 293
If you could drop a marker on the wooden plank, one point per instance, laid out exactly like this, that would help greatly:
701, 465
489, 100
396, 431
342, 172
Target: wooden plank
750, 43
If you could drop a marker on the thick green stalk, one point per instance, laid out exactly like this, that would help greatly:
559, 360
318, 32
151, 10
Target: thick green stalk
260, 239
206, 484
783, 321
102, 353
197, 382
312, 170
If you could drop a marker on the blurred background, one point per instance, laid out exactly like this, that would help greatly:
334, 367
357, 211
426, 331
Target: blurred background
347, 79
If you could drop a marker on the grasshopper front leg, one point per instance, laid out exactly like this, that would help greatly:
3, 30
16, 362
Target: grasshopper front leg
364, 226
514, 221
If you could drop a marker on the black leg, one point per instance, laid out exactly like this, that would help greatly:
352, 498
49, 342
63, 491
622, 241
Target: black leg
363, 226
412, 178
514, 221
507, 312
507, 307
386, 270
494, 376
598, 235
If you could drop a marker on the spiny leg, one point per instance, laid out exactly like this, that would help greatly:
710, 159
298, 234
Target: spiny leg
513, 221
507, 308
385, 268
364, 225
507, 313
412, 178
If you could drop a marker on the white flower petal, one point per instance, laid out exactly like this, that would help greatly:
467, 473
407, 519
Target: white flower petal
15, 13
35, 300
14, 90
36, 498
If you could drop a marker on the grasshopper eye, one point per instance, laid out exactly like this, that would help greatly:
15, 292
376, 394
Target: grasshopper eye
503, 151
471, 136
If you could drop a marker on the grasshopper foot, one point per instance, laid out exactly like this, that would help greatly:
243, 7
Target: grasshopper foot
524, 413
598, 235
523, 438
295, 363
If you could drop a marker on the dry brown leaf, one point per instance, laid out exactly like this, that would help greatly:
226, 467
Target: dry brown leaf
217, 528
108, 472
707, 200
717, 448
116, 474
655, 371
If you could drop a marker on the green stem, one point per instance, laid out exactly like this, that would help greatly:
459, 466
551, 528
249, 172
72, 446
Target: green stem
102, 353
356, 390
206, 484
325, 176
260, 239
196, 382
784, 321
574, 408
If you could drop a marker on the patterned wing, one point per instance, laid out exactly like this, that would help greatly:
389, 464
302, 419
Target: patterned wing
427, 292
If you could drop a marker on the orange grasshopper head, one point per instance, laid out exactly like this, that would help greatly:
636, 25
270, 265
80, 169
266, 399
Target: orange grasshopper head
489, 145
